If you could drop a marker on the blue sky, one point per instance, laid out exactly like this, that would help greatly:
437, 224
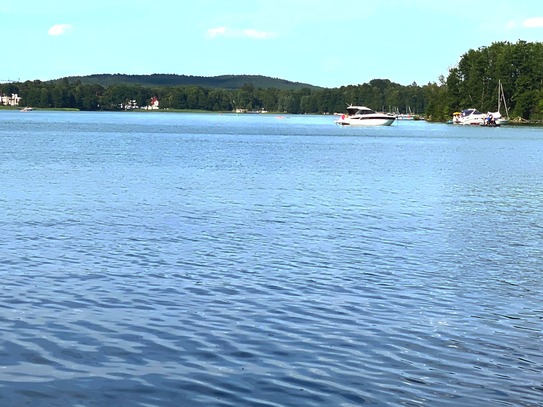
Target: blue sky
321, 42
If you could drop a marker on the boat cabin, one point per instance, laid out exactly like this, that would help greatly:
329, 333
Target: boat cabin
468, 112
359, 110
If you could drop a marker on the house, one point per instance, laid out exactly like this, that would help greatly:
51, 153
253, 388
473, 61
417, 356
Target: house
10, 101
130, 104
154, 104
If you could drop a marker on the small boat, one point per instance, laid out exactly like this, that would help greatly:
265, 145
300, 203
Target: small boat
469, 116
406, 116
364, 116
490, 121
27, 109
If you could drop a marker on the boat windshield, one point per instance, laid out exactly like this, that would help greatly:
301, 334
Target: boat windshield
469, 112
364, 111
359, 110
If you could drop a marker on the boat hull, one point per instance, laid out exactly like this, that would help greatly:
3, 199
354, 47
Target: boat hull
472, 122
373, 121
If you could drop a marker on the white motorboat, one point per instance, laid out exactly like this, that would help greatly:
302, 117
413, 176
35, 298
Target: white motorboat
469, 116
364, 116
497, 118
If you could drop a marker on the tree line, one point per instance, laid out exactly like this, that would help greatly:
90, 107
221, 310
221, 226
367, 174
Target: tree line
473, 83
159, 80
382, 94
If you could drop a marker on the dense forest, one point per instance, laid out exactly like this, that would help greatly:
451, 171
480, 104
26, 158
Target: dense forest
159, 80
473, 83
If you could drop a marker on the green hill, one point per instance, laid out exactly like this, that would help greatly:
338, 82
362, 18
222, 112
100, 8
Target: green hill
157, 80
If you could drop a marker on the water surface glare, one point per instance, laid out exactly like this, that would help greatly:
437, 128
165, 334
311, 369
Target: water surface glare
166, 259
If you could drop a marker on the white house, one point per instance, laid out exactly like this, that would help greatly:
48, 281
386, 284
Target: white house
154, 104
12, 100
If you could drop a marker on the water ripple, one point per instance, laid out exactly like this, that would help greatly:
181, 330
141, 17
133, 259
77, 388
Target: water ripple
152, 260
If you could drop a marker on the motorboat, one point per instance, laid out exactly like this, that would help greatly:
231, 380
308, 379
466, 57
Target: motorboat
491, 121
364, 116
469, 116
497, 118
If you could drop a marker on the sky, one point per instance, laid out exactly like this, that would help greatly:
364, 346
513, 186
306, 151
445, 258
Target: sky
329, 43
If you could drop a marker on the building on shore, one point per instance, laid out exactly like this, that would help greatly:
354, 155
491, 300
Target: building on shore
12, 100
154, 105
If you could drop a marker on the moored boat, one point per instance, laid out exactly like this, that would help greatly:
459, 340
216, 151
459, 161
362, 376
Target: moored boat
469, 116
364, 116
499, 119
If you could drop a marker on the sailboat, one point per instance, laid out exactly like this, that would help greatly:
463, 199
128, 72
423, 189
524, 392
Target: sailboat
406, 116
500, 120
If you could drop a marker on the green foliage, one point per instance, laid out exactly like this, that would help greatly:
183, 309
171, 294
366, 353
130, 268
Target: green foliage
473, 83
169, 80
378, 94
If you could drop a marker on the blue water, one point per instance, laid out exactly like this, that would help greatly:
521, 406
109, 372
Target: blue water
167, 259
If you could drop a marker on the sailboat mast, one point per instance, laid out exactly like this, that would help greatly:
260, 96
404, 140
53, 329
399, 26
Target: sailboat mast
499, 94
503, 97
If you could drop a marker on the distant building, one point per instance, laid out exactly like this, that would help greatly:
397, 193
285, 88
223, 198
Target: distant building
129, 104
154, 104
12, 100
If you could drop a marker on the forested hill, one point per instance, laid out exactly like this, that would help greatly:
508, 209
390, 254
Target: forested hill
158, 80
515, 69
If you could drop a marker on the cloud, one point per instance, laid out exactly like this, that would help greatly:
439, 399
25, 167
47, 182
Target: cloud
215, 32
534, 22
237, 33
258, 35
59, 29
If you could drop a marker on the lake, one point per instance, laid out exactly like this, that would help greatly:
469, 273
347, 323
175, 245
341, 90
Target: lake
161, 259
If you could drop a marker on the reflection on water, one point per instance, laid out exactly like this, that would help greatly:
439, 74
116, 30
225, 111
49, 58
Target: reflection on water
171, 259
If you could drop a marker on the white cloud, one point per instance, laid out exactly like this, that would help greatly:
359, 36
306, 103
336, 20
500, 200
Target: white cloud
259, 35
510, 25
237, 33
59, 29
534, 22
215, 32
